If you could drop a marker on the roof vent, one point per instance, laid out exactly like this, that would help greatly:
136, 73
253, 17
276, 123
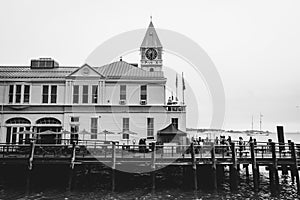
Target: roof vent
43, 63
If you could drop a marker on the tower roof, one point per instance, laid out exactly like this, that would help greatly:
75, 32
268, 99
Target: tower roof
151, 38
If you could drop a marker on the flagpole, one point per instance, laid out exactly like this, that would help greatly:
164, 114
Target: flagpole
252, 123
183, 88
176, 84
260, 115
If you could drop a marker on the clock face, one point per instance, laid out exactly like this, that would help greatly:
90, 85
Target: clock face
151, 54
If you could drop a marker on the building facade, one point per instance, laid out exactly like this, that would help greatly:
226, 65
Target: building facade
118, 97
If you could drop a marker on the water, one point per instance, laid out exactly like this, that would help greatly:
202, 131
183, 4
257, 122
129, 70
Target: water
95, 185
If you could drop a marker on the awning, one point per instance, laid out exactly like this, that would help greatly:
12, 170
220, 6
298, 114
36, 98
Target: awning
128, 132
48, 132
106, 132
25, 132
171, 130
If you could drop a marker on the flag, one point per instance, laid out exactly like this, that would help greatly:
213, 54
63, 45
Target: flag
176, 83
183, 84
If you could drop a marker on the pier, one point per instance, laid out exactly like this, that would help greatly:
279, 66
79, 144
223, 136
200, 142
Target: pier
273, 156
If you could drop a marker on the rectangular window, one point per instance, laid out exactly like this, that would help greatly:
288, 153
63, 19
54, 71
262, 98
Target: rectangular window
125, 124
8, 135
95, 94
74, 119
11, 94
143, 92
74, 133
27, 136
76, 94
18, 93
14, 135
53, 93
94, 128
122, 92
26, 93
175, 122
74, 129
85, 94
45, 93
125, 136
150, 126
21, 135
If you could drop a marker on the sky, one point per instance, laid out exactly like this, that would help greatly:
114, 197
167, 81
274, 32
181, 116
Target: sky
254, 44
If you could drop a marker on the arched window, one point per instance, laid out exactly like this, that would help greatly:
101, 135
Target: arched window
14, 127
151, 69
18, 120
48, 120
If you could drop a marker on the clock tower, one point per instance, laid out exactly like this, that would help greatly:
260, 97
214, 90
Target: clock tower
151, 51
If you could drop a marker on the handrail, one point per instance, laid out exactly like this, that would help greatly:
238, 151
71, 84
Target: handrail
262, 150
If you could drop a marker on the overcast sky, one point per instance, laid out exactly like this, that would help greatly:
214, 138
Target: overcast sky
255, 46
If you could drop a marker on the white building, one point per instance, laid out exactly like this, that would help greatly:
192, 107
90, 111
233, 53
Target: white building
116, 97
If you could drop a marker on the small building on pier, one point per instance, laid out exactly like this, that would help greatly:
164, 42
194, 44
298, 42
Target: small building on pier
116, 97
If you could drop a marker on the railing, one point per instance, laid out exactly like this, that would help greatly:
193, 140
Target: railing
100, 150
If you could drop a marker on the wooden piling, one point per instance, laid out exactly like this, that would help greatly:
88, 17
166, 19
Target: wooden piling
113, 167
28, 182
247, 171
153, 159
275, 169
295, 166
271, 178
194, 166
233, 169
214, 167
30, 160
258, 175
73, 155
254, 167
70, 180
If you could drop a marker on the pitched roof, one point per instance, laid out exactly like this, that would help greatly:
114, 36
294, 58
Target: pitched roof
123, 70
86, 66
115, 70
171, 130
151, 38
12, 72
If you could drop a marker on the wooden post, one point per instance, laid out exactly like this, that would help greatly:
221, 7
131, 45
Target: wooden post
214, 167
73, 155
70, 180
247, 171
292, 174
113, 166
233, 169
295, 166
275, 168
258, 175
28, 182
254, 167
194, 166
30, 160
271, 178
153, 159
